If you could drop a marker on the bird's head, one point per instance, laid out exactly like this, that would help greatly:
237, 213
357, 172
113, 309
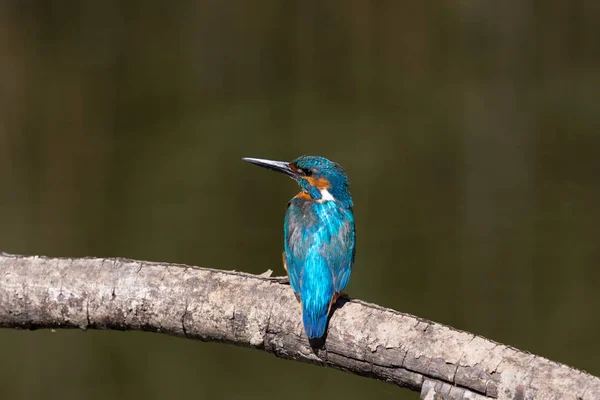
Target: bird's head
319, 178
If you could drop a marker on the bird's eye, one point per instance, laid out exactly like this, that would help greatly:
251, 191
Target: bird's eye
307, 172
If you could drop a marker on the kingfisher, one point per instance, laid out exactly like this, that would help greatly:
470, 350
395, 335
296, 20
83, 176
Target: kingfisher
319, 236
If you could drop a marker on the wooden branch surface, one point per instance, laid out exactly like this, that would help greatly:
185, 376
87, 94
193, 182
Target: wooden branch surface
260, 312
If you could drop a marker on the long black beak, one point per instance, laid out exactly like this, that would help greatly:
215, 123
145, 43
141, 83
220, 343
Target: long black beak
279, 166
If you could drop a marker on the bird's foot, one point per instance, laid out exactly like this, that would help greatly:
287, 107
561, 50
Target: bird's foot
336, 296
340, 294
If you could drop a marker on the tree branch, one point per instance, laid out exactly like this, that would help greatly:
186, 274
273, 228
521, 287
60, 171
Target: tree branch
260, 312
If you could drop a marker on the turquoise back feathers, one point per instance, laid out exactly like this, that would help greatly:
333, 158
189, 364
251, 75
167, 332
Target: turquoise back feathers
319, 236
319, 253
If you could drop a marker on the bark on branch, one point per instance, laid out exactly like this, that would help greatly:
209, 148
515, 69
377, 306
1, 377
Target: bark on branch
260, 312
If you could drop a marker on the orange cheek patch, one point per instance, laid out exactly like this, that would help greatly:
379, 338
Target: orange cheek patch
320, 184
302, 195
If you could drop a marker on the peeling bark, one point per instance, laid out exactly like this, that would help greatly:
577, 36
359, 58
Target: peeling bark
261, 312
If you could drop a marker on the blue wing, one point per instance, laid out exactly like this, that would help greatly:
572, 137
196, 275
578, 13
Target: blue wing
295, 245
322, 228
344, 242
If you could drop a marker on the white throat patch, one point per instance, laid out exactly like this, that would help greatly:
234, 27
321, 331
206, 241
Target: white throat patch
326, 196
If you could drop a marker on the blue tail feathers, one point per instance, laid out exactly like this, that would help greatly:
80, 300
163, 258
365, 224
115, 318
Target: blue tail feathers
315, 321
317, 290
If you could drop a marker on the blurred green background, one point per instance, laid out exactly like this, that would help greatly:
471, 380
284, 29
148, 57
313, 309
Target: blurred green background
470, 130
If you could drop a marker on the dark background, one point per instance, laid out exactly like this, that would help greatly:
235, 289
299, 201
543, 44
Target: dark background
470, 131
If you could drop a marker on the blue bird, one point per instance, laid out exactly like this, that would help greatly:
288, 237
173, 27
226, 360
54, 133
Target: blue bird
319, 236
